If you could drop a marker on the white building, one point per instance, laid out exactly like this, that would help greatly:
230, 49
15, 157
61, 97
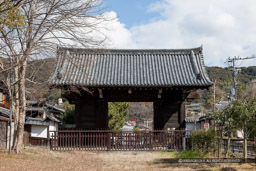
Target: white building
39, 123
196, 122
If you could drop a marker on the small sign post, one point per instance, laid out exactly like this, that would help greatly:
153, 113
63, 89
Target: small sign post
206, 126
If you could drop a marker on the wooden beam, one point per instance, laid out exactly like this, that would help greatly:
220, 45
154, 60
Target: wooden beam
5, 118
160, 91
129, 91
100, 93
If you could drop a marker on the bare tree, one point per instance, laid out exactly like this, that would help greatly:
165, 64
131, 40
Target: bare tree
48, 24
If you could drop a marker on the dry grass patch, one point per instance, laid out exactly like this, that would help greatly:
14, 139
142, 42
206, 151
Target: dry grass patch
43, 159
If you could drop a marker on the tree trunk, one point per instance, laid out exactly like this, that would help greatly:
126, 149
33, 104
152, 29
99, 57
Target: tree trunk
228, 145
16, 105
220, 142
22, 107
245, 143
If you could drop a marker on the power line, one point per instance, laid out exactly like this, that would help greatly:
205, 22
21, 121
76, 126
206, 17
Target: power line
235, 69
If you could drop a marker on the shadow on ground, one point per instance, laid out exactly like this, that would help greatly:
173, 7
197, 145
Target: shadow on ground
173, 163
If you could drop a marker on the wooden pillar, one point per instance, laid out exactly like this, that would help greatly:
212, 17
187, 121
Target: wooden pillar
92, 112
102, 114
166, 114
182, 116
158, 117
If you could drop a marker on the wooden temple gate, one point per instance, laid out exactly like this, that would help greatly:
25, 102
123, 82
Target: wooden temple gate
90, 78
161, 140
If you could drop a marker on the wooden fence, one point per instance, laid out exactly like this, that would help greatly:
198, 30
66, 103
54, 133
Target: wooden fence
38, 141
236, 146
161, 140
35, 141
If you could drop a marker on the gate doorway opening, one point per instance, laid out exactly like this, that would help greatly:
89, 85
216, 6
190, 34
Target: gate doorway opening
143, 114
129, 116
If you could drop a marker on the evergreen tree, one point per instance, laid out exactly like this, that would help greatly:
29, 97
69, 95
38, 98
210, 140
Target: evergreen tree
117, 113
69, 115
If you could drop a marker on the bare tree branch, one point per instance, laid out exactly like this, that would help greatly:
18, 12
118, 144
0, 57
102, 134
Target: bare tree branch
48, 24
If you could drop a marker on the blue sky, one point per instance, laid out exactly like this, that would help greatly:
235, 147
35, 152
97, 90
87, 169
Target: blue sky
132, 12
224, 27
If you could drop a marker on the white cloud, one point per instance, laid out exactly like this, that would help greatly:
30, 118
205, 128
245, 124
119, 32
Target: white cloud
224, 28
117, 34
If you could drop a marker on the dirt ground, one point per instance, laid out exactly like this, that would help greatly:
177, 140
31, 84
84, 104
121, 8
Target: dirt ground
43, 159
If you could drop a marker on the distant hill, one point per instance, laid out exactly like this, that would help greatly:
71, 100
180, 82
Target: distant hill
41, 69
38, 70
224, 74
44, 68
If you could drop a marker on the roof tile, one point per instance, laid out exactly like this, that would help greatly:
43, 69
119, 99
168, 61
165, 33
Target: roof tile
133, 68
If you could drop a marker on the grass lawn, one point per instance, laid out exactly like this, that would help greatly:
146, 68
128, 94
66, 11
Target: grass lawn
43, 159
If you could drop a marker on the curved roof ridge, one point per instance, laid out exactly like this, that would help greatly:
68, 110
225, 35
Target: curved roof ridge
109, 68
197, 49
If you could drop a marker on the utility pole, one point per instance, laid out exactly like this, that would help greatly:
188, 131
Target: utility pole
214, 95
232, 64
10, 116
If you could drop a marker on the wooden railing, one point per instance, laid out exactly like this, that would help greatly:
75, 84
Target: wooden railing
35, 141
38, 141
119, 140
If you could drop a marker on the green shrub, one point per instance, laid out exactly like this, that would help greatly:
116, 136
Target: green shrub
191, 154
69, 115
186, 154
203, 140
136, 129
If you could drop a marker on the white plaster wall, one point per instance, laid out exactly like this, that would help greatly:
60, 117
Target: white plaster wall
53, 127
240, 134
191, 126
8, 135
39, 131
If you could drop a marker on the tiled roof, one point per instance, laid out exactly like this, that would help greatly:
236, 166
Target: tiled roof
222, 105
4, 112
36, 121
130, 68
52, 117
31, 102
55, 108
41, 121
194, 119
34, 108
